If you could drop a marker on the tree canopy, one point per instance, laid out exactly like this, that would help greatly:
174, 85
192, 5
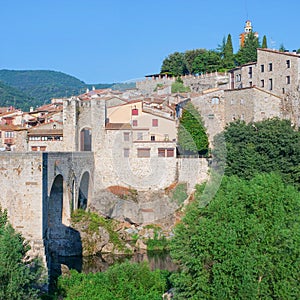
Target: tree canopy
244, 245
18, 277
122, 281
266, 146
248, 53
192, 137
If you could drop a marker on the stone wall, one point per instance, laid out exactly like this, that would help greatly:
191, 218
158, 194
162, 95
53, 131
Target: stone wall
21, 195
196, 83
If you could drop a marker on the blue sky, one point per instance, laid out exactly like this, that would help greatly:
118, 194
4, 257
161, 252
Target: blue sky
101, 41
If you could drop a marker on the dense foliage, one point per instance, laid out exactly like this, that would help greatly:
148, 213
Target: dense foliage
198, 61
192, 137
244, 245
272, 145
179, 87
18, 278
10, 96
36, 87
123, 281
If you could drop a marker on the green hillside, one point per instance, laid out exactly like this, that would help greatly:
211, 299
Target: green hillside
35, 87
10, 96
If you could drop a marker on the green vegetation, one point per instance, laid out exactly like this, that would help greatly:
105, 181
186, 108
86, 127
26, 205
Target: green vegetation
179, 193
178, 86
269, 146
264, 42
244, 245
27, 88
248, 53
95, 221
123, 281
192, 137
19, 277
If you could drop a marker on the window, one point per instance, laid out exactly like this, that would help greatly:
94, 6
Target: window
166, 137
126, 152
42, 148
270, 67
152, 137
33, 148
211, 116
215, 100
140, 136
135, 112
134, 123
262, 68
9, 134
250, 83
170, 152
143, 152
154, 122
242, 101
270, 84
262, 83
288, 64
288, 79
165, 152
250, 72
126, 136
161, 152
231, 101
242, 117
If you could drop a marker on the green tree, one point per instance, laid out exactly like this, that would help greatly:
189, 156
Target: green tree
123, 281
270, 145
189, 57
18, 277
192, 137
298, 51
244, 245
174, 64
248, 53
209, 61
264, 42
281, 48
228, 59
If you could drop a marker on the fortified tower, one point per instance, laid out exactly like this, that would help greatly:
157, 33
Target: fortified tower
247, 30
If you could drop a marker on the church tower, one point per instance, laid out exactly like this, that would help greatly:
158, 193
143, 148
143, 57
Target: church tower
247, 30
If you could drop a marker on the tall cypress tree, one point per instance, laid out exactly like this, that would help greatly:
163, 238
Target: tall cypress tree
264, 42
228, 59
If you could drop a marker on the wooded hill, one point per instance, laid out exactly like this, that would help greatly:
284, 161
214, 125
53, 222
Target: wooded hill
27, 88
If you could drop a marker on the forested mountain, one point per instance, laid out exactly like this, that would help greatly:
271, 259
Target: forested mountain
10, 96
26, 88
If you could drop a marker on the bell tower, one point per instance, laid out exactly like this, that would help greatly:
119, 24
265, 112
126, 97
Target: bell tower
247, 30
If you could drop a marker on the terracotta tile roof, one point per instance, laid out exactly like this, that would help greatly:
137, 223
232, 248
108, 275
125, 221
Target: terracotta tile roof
10, 127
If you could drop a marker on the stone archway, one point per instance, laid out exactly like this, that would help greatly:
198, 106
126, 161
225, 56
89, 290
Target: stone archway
86, 139
84, 191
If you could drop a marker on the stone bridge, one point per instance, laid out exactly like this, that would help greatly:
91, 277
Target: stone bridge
40, 190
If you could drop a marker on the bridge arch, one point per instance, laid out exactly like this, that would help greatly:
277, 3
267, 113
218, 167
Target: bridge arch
85, 139
84, 191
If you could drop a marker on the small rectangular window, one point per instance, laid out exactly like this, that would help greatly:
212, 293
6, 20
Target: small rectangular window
270, 84
250, 72
170, 152
42, 148
262, 68
143, 152
152, 137
161, 152
126, 152
242, 101
288, 64
270, 67
262, 83
126, 136
33, 148
288, 79
155, 122
134, 123
140, 136
135, 112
